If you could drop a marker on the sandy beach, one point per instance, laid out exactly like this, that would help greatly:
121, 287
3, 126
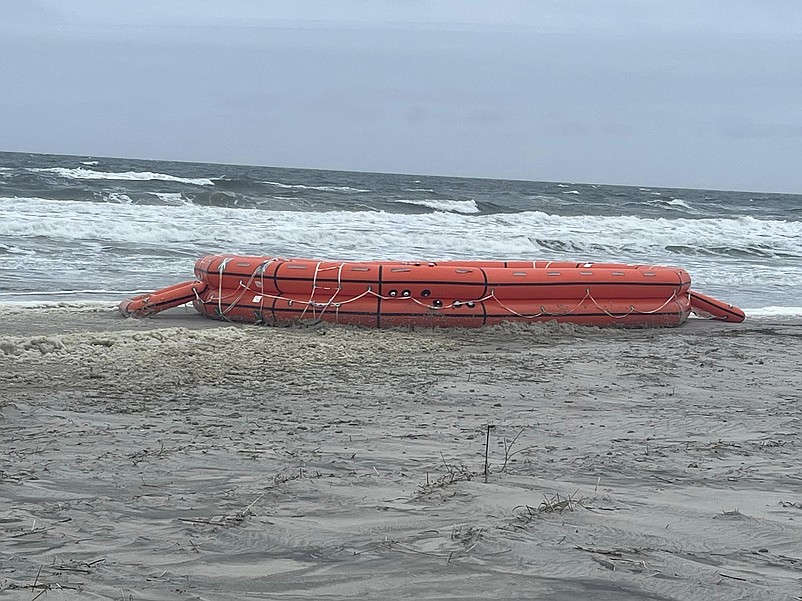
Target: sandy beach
181, 458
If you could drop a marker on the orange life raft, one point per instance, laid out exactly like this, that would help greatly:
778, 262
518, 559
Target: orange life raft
270, 290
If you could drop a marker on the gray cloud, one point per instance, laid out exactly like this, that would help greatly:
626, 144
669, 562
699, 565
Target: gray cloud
676, 94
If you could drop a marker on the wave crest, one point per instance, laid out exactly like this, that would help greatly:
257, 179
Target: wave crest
321, 188
81, 173
447, 206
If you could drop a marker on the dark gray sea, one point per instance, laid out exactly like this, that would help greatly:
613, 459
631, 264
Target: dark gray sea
97, 229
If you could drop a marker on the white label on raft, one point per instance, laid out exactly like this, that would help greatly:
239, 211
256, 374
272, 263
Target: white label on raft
256, 299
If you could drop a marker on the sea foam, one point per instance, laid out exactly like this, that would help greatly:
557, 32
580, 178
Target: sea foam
774, 312
370, 232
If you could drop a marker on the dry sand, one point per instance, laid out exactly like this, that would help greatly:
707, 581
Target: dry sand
180, 458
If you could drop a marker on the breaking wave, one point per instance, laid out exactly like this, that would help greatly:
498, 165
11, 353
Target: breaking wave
81, 173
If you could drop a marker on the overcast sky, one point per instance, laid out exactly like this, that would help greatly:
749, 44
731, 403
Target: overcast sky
682, 93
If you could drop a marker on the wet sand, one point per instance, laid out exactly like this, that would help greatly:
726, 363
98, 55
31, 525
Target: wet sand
181, 458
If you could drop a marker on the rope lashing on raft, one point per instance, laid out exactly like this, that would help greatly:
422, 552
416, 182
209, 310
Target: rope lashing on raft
260, 271
632, 309
220, 269
337, 291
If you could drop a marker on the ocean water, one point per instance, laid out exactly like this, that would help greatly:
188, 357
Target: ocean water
100, 229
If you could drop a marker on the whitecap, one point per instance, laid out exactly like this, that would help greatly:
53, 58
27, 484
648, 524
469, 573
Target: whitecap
322, 188
678, 202
171, 198
81, 173
120, 198
450, 206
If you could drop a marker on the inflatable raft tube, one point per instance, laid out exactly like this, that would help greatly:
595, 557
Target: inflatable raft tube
274, 290
707, 306
161, 300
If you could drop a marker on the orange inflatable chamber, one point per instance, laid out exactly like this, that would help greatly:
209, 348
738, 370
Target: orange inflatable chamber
271, 290
160, 300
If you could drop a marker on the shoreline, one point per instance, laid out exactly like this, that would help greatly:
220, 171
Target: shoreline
178, 456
